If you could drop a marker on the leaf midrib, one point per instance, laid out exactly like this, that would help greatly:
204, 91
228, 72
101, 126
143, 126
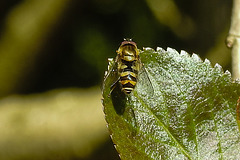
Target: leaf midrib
165, 128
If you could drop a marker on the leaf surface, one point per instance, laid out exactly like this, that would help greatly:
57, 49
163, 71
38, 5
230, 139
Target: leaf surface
191, 113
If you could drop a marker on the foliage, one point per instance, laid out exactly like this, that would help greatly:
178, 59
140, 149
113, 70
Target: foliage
190, 115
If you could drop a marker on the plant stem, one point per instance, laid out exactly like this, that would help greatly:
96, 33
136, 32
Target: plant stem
233, 39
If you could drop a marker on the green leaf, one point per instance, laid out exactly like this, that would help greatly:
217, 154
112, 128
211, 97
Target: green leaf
190, 115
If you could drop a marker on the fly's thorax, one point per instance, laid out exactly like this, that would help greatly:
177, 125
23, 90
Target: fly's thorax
129, 58
128, 52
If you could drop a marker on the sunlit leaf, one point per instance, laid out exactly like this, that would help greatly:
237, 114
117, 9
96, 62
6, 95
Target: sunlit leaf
190, 115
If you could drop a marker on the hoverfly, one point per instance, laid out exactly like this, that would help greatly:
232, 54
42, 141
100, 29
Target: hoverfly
127, 69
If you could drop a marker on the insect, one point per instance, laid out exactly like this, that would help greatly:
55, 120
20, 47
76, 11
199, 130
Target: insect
127, 68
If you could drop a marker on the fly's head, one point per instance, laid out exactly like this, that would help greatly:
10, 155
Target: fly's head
128, 51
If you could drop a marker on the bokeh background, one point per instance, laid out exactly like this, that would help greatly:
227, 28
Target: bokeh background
53, 54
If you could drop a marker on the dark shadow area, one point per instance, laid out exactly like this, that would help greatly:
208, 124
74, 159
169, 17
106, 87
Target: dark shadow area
118, 99
106, 151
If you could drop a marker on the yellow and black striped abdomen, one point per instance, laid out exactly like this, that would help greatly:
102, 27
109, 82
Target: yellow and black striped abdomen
128, 76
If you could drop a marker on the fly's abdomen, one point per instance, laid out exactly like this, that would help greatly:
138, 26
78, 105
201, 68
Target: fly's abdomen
128, 78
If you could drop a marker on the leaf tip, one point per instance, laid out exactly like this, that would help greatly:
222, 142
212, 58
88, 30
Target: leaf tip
183, 53
110, 61
159, 49
237, 80
147, 49
218, 67
172, 51
196, 57
206, 61
227, 72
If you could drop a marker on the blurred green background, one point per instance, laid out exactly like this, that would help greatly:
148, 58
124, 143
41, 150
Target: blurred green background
53, 54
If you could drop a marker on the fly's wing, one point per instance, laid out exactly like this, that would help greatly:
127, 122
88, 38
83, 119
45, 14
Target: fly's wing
143, 82
111, 76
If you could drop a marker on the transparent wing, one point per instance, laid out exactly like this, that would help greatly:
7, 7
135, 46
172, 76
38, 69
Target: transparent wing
144, 85
111, 76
